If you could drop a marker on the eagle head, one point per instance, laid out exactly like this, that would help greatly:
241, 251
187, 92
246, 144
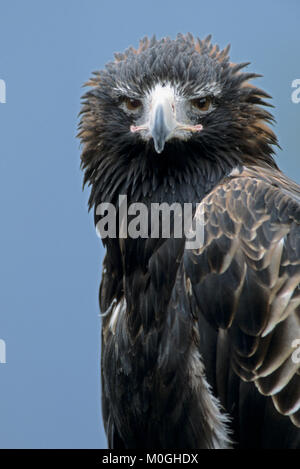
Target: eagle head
170, 98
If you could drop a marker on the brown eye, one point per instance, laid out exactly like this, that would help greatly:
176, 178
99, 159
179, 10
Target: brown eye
132, 104
203, 104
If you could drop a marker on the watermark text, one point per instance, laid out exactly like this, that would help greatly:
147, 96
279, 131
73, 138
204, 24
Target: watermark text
2, 351
296, 353
2, 92
295, 96
156, 220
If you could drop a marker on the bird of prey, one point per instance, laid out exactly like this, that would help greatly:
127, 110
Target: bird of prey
198, 344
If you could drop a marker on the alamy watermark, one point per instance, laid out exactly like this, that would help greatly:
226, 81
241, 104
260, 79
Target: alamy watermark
158, 220
2, 92
296, 353
2, 351
295, 96
2, 342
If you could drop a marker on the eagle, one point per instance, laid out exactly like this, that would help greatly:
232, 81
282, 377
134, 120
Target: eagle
199, 344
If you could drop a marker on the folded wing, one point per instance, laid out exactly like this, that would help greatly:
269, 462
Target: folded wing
245, 279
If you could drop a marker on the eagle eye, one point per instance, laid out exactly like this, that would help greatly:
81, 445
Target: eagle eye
132, 104
203, 104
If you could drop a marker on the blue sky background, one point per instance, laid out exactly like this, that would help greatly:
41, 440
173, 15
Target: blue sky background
50, 260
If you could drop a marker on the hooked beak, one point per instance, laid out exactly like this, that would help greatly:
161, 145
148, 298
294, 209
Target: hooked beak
160, 130
162, 124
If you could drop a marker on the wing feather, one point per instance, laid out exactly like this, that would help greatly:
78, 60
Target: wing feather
246, 279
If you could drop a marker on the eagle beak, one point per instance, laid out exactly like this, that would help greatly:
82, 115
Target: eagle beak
161, 124
159, 129
162, 117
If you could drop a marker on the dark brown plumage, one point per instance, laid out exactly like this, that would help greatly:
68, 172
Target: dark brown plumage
196, 344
